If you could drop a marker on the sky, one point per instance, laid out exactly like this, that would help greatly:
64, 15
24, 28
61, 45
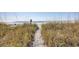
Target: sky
37, 16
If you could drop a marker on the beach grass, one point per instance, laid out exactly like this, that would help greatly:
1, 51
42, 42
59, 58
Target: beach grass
61, 34
18, 36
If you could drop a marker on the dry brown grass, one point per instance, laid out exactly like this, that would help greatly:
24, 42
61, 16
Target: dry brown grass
58, 35
19, 36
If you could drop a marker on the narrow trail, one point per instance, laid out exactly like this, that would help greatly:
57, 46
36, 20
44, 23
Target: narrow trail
38, 41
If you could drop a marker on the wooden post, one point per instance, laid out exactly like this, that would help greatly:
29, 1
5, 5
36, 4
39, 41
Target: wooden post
30, 21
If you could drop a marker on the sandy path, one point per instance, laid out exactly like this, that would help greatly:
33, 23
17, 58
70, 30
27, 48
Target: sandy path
38, 41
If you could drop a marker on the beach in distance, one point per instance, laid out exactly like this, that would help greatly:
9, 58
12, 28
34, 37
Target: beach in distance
39, 29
